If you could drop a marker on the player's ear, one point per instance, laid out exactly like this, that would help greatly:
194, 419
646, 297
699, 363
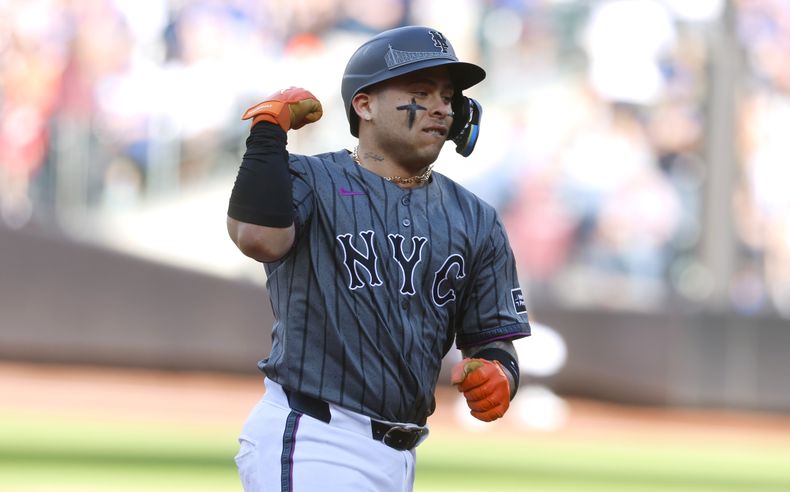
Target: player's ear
362, 104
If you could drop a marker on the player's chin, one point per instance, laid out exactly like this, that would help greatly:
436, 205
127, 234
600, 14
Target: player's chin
431, 146
429, 154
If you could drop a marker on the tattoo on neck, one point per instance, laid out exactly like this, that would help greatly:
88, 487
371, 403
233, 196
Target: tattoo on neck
375, 157
412, 109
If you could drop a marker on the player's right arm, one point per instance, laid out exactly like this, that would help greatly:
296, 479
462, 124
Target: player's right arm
265, 244
260, 212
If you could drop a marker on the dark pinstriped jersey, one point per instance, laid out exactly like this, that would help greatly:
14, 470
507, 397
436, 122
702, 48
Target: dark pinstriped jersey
380, 281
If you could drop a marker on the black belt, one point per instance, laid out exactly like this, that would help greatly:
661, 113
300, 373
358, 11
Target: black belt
395, 436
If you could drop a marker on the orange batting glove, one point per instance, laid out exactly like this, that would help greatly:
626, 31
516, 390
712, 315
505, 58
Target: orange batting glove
293, 107
485, 387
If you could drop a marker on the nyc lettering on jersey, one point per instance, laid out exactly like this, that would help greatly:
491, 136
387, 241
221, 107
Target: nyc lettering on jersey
362, 268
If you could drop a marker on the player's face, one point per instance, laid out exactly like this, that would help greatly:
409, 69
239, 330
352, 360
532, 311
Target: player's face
412, 115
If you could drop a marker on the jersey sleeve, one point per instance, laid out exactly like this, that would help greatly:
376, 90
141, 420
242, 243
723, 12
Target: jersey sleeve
493, 307
302, 192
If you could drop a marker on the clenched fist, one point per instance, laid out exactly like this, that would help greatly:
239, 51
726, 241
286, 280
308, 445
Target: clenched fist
485, 387
290, 108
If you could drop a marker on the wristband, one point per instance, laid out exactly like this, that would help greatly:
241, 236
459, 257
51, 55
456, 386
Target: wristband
503, 357
262, 193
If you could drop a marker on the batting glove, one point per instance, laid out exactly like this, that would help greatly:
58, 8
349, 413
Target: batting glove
485, 387
290, 108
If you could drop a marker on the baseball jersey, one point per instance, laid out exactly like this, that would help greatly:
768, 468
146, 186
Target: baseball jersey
380, 282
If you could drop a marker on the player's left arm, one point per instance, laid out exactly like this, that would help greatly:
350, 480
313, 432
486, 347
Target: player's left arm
488, 376
494, 315
501, 351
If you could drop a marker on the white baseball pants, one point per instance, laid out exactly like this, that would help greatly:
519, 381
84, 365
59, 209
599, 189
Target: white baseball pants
285, 451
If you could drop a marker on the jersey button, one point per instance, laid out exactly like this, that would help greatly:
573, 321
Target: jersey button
405, 200
406, 222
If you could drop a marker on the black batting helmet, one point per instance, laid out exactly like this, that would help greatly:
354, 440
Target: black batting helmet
400, 51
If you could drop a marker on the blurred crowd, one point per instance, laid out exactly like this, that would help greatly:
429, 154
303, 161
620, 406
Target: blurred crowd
594, 147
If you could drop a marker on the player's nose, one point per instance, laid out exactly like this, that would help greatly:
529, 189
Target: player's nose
440, 108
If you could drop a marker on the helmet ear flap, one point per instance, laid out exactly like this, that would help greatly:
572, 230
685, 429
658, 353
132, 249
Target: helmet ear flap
465, 129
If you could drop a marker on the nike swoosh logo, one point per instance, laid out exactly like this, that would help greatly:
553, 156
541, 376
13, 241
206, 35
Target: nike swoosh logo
345, 192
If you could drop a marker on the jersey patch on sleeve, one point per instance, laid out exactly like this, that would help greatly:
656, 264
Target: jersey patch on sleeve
518, 301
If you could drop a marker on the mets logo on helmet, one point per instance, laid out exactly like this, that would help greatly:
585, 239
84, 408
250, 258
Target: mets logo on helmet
440, 41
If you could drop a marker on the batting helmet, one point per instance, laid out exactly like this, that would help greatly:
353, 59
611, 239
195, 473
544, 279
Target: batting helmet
408, 49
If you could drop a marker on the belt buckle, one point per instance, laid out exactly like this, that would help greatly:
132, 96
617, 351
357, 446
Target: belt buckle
401, 438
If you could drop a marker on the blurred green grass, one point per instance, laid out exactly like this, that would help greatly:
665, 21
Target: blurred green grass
47, 453
516, 464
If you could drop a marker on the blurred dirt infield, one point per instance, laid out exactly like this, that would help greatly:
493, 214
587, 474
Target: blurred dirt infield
224, 400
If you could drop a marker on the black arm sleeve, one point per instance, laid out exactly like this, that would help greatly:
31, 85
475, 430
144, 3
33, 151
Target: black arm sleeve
262, 192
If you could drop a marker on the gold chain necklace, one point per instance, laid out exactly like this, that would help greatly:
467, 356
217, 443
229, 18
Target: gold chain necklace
419, 179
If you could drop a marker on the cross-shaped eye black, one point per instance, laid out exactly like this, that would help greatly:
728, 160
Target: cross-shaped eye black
412, 109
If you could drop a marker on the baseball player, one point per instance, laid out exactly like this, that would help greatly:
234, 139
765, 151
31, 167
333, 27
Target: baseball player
375, 266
